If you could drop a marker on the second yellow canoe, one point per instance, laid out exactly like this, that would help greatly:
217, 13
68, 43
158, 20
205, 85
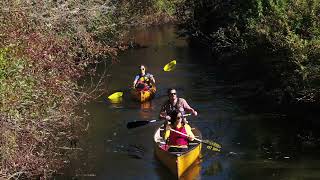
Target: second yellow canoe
143, 95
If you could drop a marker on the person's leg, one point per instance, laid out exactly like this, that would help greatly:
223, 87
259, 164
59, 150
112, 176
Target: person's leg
183, 149
140, 86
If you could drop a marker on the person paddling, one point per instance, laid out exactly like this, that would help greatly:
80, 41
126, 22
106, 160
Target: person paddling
176, 141
143, 80
174, 103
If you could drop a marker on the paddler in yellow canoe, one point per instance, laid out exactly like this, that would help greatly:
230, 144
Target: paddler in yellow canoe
143, 81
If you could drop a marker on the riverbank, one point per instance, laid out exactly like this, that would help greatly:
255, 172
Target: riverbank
45, 49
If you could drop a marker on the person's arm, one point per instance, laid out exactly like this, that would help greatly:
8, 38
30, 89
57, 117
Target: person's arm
163, 114
152, 79
189, 132
135, 81
187, 108
167, 132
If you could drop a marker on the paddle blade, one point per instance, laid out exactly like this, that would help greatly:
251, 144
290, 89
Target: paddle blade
170, 66
213, 148
135, 124
115, 95
116, 100
211, 143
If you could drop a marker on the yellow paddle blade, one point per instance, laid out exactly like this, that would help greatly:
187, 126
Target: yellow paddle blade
115, 95
170, 66
215, 144
116, 101
213, 148
212, 143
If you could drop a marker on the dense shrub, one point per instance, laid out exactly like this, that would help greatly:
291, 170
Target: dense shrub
287, 32
45, 48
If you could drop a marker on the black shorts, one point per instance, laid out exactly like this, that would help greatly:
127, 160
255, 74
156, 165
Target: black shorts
177, 149
140, 86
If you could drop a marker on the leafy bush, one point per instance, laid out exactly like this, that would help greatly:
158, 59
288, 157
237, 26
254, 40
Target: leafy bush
284, 30
45, 49
165, 6
292, 27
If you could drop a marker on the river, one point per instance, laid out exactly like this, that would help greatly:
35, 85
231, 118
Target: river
256, 145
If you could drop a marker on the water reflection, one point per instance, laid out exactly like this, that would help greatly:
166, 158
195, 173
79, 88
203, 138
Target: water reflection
145, 111
136, 151
213, 169
193, 172
146, 105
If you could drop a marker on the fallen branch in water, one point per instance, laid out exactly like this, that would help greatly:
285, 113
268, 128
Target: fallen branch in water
16, 175
85, 175
67, 148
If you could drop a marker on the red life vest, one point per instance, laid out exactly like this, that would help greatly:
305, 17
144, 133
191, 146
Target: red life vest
178, 139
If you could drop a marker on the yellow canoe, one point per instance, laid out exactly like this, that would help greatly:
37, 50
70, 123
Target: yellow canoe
177, 162
142, 96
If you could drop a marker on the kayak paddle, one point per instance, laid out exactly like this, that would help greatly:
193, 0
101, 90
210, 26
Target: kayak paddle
135, 124
115, 95
170, 66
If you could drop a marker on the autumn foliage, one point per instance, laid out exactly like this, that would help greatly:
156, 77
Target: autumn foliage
45, 49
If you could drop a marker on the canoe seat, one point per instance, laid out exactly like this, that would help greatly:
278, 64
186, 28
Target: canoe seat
176, 153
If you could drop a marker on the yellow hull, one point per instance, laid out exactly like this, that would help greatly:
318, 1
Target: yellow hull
177, 163
143, 96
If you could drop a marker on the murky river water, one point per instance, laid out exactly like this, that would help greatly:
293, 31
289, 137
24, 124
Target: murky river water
262, 145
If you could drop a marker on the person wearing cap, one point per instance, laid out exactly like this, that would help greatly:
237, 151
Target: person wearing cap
174, 103
143, 80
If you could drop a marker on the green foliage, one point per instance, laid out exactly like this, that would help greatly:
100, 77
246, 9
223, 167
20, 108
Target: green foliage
106, 28
292, 26
286, 30
145, 12
15, 86
167, 6
46, 47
